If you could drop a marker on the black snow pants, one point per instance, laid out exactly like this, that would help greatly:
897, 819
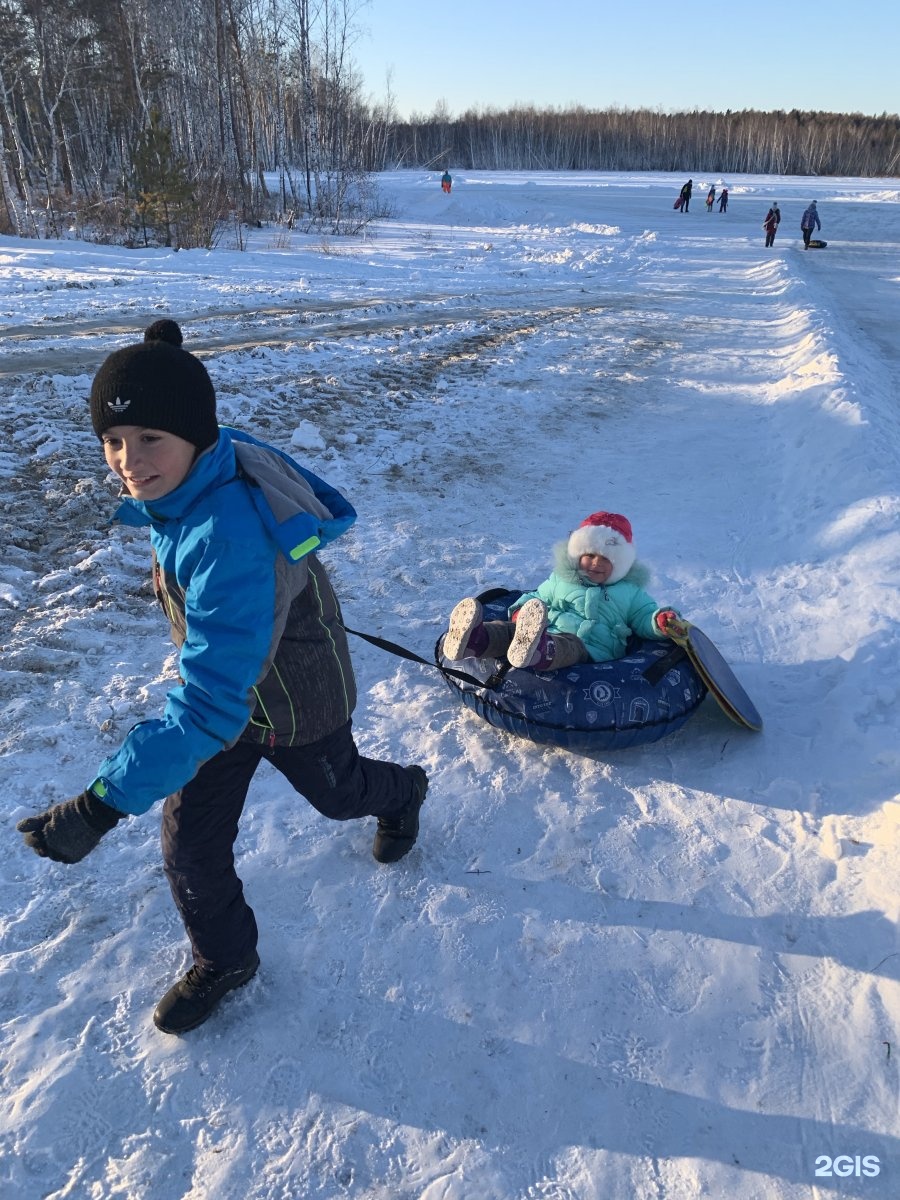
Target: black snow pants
200, 825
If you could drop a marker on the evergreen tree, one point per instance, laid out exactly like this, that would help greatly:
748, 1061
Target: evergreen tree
162, 190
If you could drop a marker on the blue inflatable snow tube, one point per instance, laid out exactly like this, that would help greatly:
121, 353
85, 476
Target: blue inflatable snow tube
591, 707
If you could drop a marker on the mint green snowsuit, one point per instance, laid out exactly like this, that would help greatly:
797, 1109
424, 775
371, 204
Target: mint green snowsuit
603, 616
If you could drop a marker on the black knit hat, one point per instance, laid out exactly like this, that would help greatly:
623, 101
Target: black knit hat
156, 385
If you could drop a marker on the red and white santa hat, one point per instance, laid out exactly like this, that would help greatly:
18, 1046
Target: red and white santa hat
608, 534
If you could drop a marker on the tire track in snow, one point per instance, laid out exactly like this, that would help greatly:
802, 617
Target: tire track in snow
280, 325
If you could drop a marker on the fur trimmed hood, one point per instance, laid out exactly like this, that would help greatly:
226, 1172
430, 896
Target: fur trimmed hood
638, 574
609, 535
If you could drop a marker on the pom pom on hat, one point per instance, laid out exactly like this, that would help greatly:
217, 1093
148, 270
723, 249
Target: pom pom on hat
155, 384
164, 330
608, 534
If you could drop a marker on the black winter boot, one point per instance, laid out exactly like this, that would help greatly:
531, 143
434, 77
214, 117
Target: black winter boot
396, 836
192, 999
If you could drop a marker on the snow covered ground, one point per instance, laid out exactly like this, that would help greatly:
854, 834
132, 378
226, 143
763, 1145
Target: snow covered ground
659, 974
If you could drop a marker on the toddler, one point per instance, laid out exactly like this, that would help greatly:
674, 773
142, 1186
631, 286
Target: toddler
584, 612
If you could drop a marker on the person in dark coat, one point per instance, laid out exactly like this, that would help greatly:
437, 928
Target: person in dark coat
685, 194
446, 182
710, 198
723, 200
264, 669
771, 223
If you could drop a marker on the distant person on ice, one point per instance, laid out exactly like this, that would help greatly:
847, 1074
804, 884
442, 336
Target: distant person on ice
264, 669
723, 200
809, 222
771, 223
685, 194
584, 612
710, 198
446, 181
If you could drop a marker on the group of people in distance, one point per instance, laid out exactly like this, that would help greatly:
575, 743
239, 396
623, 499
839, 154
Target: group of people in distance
809, 222
711, 199
687, 190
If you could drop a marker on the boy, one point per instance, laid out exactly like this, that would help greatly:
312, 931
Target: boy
264, 667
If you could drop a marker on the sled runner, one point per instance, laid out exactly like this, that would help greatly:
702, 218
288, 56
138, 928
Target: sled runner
715, 673
817, 244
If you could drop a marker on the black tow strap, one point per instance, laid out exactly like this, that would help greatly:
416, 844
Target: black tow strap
653, 673
402, 652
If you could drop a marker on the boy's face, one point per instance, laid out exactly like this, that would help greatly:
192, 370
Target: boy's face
597, 568
150, 462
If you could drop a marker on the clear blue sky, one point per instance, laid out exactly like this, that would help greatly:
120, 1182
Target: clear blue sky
676, 55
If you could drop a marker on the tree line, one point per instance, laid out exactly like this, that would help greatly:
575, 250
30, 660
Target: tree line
156, 122
578, 139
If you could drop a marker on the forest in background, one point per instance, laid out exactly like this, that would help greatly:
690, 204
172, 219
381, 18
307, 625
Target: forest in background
578, 139
161, 122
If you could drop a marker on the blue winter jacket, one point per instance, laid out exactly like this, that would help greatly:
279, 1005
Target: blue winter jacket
810, 219
603, 616
263, 654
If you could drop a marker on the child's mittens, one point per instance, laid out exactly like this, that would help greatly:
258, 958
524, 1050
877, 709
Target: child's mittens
663, 617
67, 832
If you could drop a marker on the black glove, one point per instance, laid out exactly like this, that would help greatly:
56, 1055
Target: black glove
69, 831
